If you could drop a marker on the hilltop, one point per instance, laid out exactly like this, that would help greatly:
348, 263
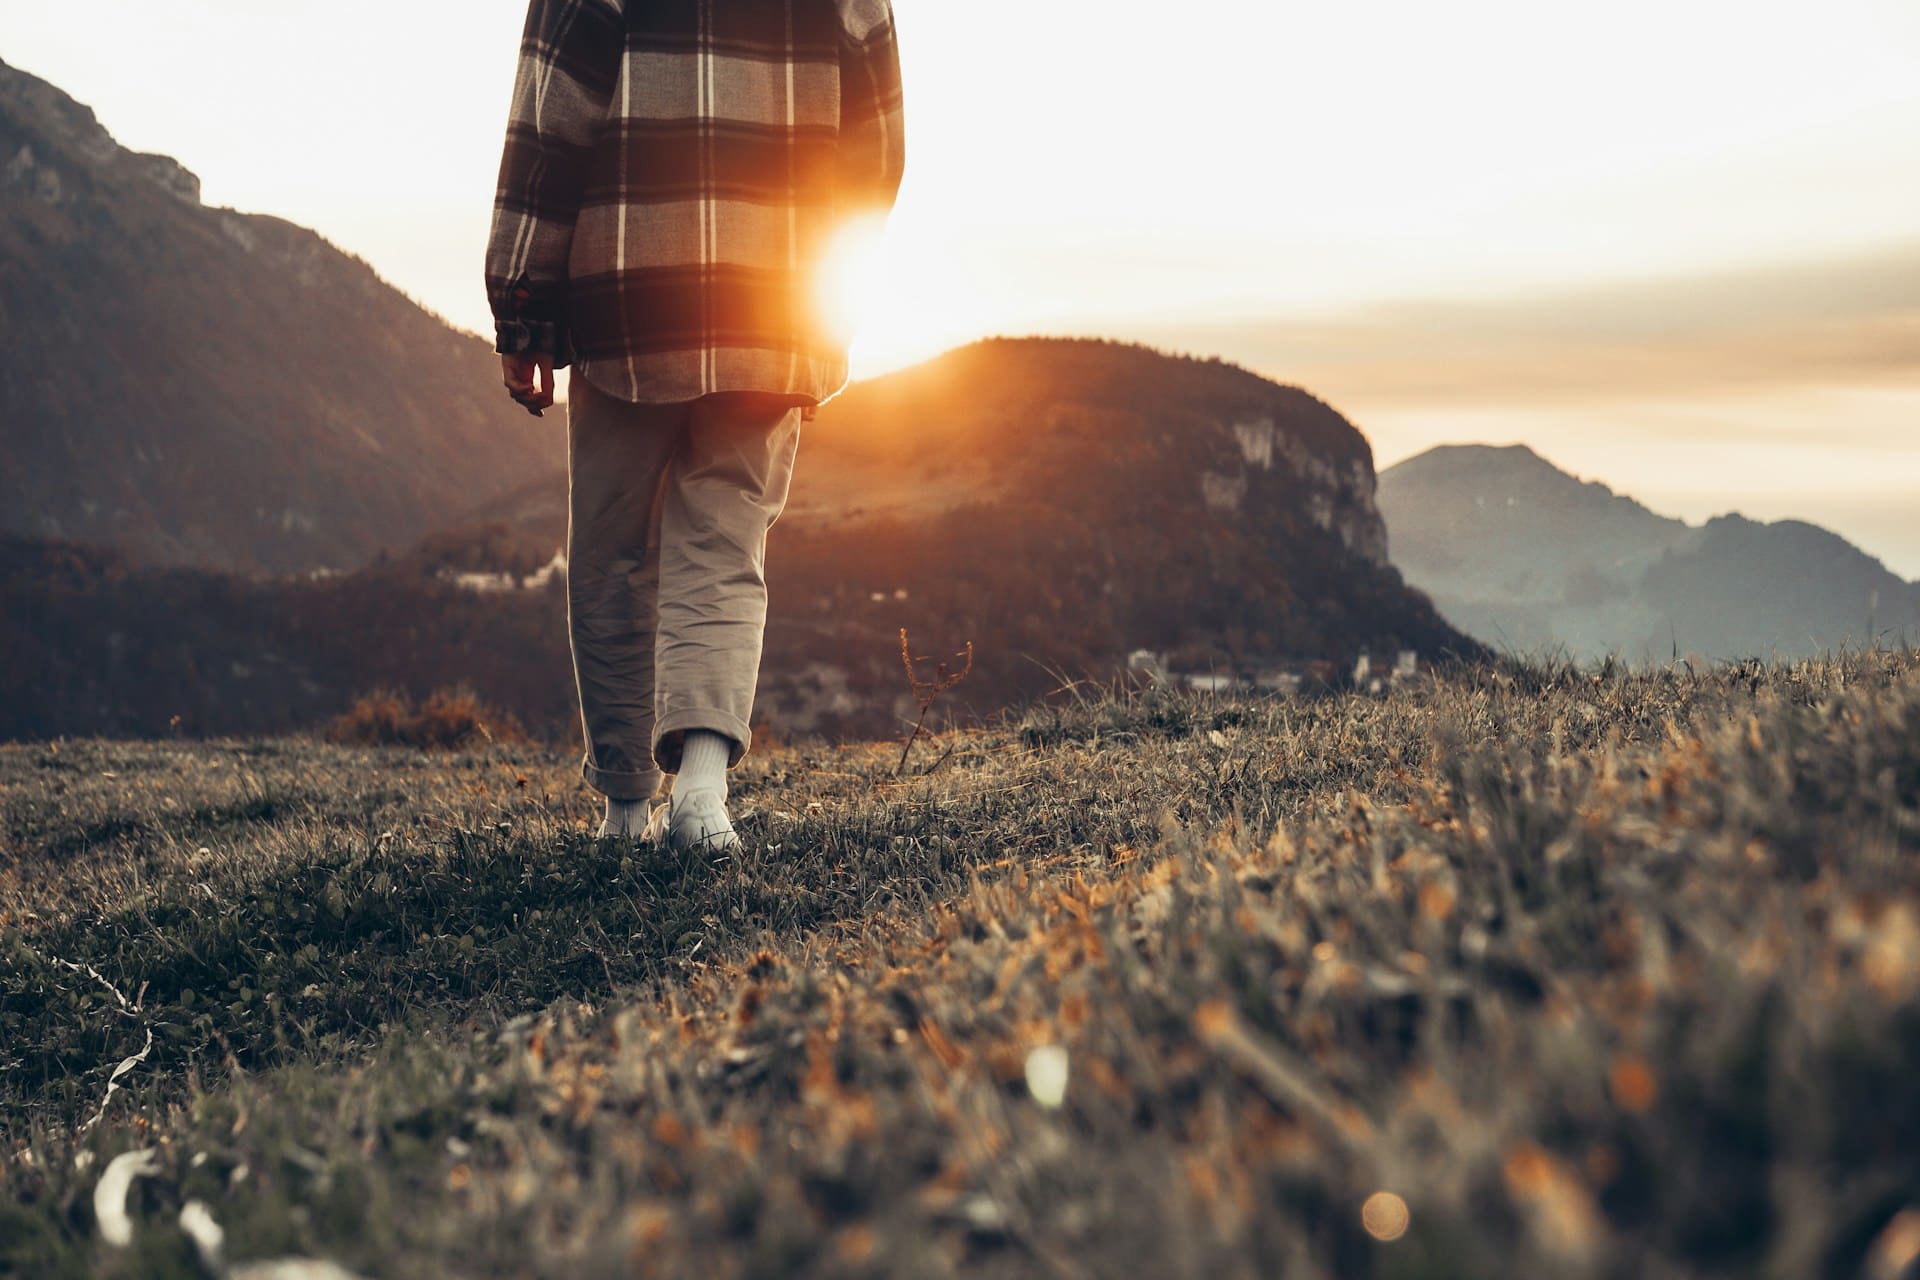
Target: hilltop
203, 387
1520, 972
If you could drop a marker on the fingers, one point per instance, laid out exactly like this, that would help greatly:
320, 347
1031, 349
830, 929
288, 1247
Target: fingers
529, 380
517, 373
543, 393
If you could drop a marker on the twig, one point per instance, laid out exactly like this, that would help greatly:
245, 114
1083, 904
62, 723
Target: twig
928, 690
951, 748
132, 1010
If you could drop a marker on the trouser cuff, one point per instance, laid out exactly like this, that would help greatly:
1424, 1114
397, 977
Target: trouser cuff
643, 785
669, 734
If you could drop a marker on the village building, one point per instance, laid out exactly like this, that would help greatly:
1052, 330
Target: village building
1148, 663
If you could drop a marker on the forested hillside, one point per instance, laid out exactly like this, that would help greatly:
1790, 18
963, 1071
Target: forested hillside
204, 387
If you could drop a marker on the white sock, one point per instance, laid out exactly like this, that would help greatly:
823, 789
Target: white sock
703, 763
625, 817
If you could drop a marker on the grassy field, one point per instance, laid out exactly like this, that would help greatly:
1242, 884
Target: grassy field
1528, 972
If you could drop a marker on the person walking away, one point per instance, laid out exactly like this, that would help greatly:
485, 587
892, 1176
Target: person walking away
674, 174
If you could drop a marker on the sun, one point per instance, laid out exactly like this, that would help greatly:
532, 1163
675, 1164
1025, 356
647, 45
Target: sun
853, 279
893, 291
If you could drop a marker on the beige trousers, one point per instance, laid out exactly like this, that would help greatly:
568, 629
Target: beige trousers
668, 511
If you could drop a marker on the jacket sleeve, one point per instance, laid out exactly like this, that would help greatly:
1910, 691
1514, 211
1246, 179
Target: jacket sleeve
570, 60
873, 155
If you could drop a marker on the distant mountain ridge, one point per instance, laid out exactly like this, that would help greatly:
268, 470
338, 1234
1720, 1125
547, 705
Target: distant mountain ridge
206, 387
1517, 552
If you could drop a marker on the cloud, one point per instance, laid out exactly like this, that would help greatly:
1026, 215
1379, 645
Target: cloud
1853, 320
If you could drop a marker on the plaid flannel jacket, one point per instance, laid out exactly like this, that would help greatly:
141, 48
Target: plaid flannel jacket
674, 172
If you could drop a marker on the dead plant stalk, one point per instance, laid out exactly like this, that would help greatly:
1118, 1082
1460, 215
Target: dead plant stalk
927, 691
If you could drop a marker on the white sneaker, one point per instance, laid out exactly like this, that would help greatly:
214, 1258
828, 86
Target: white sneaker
698, 820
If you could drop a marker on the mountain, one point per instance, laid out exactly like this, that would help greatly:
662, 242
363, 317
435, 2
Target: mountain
1061, 503
1058, 504
200, 386
1517, 552
1007, 420
1786, 587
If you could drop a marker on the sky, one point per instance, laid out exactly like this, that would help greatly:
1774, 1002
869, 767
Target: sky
1674, 245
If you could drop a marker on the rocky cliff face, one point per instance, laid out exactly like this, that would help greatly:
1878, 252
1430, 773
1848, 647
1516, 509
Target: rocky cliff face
1337, 496
201, 386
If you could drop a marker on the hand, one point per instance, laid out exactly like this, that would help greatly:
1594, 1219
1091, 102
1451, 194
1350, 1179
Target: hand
529, 381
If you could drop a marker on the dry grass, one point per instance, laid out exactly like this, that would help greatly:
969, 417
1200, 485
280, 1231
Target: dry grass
1524, 972
446, 720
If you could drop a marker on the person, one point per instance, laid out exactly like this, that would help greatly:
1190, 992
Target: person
674, 176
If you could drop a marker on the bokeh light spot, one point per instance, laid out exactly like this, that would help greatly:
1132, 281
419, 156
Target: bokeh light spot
1385, 1216
1633, 1084
1047, 1075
